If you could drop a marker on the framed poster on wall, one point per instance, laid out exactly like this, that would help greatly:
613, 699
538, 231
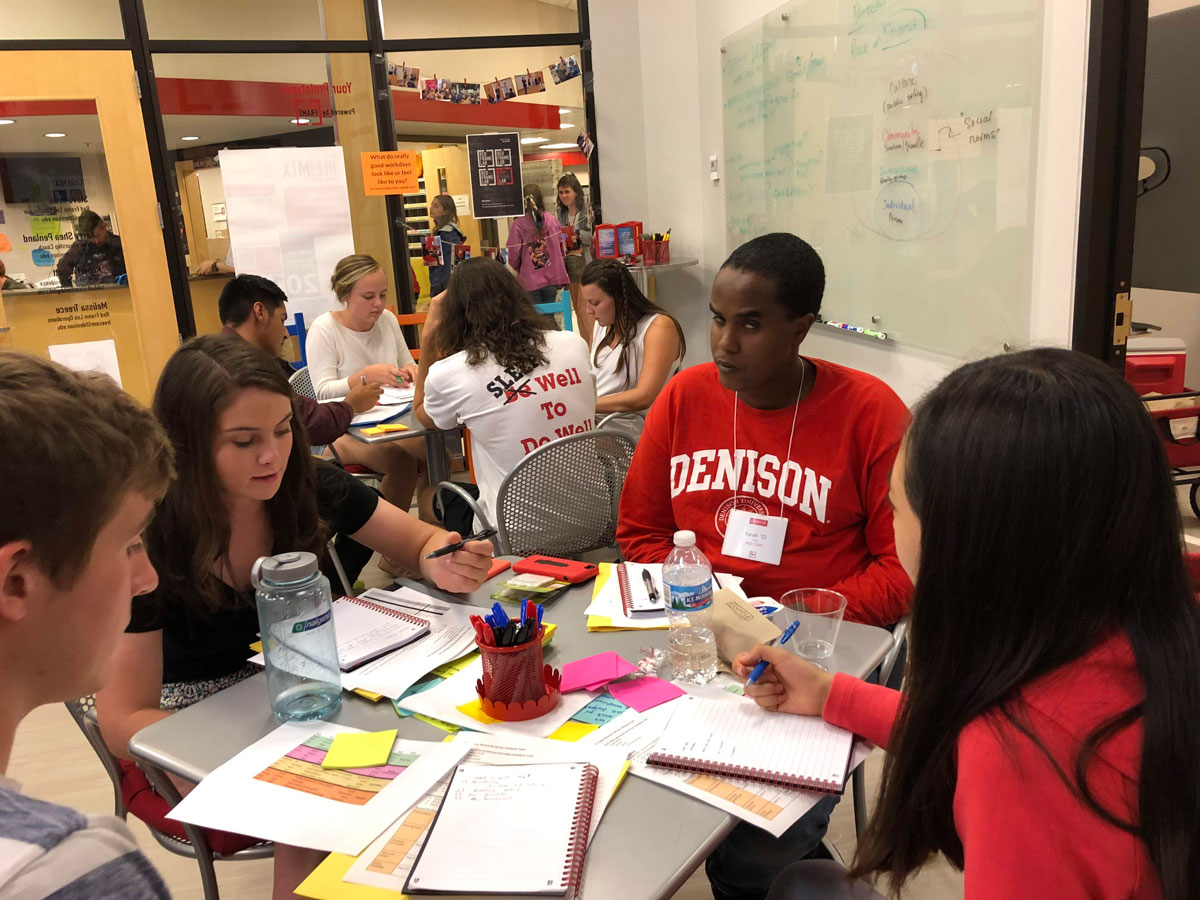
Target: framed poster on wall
494, 161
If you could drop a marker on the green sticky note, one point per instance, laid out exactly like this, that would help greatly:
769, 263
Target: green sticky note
45, 227
359, 750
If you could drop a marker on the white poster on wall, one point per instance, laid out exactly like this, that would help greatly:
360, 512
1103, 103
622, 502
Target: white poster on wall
288, 216
88, 356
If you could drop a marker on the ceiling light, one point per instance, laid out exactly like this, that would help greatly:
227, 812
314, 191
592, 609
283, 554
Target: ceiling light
563, 109
7, 121
55, 134
559, 147
567, 125
299, 121
189, 137
534, 140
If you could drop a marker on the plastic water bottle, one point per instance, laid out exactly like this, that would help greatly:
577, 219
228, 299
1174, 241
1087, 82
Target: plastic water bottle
295, 616
687, 577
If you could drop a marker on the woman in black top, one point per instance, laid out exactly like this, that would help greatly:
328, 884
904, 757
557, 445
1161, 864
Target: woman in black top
247, 487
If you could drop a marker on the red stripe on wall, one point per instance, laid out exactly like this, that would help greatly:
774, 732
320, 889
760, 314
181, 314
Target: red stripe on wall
14, 108
408, 106
568, 157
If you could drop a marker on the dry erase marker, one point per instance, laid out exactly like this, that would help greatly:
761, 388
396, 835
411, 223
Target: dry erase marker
454, 548
762, 663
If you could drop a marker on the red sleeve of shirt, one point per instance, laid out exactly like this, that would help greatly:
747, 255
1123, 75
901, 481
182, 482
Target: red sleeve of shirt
881, 592
868, 710
646, 521
324, 423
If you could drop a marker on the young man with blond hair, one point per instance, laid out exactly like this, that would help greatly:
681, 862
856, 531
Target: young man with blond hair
82, 466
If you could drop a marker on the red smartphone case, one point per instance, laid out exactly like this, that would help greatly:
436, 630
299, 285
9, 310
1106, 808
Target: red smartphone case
568, 570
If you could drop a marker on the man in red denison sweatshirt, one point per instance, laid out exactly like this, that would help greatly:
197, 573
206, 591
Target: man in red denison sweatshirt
813, 447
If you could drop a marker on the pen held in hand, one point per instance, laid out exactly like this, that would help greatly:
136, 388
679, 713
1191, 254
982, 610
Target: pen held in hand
758, 670
454, 548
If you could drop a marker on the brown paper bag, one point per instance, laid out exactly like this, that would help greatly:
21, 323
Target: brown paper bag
738, 626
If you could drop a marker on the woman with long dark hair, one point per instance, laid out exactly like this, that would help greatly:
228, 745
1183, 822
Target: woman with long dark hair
496, 366
636, 345
573, 213
535, 249
247, 486
1047, 742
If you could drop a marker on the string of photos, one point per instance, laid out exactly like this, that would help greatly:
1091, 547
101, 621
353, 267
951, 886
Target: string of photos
475, 93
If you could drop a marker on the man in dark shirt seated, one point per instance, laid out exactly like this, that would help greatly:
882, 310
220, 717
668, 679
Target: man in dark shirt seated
253, 308
96, 257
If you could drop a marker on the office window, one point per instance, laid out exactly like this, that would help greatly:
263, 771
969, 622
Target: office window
67, 20
406, 19
275, 20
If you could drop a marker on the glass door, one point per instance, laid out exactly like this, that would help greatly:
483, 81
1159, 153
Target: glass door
86, 280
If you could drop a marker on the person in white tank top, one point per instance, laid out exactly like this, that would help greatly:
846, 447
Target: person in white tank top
636, 345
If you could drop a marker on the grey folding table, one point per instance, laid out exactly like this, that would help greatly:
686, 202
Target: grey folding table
651, 838
435, 443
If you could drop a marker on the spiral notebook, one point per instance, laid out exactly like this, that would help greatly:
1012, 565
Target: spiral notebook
366, 630
737, 738
472, 847
636, 597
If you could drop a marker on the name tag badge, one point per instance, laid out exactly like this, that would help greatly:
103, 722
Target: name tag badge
755, 537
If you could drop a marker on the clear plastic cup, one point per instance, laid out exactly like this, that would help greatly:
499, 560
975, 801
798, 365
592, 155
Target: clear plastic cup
819, 612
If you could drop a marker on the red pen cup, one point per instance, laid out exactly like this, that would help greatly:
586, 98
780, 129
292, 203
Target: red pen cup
516, 685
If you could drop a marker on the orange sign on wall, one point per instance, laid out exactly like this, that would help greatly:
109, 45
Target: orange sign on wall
390, 172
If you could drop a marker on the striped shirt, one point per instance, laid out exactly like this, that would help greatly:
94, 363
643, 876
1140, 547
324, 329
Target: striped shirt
52, 851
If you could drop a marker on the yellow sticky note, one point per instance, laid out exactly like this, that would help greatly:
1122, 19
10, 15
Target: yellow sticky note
374, 430
572, 731
438, 723
474, 709
445, 670
359, 750
325, 883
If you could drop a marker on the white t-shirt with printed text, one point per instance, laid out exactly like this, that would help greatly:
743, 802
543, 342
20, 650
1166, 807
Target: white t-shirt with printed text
511, 413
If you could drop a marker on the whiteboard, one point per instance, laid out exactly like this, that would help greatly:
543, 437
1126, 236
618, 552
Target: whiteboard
898, 138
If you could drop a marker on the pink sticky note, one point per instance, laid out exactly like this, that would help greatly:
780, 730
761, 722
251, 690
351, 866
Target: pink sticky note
594, 672
645, 693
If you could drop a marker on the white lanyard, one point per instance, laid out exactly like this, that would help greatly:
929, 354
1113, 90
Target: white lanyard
795, 413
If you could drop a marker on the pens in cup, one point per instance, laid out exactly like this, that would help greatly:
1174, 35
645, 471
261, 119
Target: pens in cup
757, 671
453, 548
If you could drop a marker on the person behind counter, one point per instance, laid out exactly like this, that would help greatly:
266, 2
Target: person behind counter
10, 284
574, 213
96, 257
636, 346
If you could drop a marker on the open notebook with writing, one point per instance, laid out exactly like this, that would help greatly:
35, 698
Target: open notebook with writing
472, 847
367, 630
738, 738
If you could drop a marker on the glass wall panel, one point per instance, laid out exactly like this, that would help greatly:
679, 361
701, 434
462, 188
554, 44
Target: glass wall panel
245, 102
67, 20
475, 18
273, 20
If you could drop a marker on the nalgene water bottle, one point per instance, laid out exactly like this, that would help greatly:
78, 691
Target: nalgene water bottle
295, 617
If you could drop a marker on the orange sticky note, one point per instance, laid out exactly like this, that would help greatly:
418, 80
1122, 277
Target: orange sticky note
390, 172
5, 244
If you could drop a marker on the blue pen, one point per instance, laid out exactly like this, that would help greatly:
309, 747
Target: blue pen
539, 609
500, 615
756, 673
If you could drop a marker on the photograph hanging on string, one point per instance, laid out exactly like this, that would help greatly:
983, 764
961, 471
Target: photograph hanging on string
500, 90
565, 69
407, 77
436, 89
465, 92
530, 82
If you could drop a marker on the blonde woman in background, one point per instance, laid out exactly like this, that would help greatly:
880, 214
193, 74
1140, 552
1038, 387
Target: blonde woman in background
361, 343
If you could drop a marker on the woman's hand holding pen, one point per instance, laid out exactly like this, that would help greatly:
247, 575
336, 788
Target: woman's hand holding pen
459, 572
789, 684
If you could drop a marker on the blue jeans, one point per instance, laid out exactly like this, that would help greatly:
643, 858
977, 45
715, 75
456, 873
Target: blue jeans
745, 864
548, 294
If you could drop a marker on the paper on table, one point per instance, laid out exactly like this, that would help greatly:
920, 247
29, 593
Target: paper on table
450, 636
386, 863
606, 611
774, 809
601, 710
446, 702
359, 750
380, 414
593, 672
645, 693
276, 790
397, 396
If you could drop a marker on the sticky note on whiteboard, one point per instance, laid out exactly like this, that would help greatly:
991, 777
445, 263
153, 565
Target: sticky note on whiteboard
88, 356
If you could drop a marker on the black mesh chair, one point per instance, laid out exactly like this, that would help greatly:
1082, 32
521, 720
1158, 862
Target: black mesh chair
561, 499
83, 711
